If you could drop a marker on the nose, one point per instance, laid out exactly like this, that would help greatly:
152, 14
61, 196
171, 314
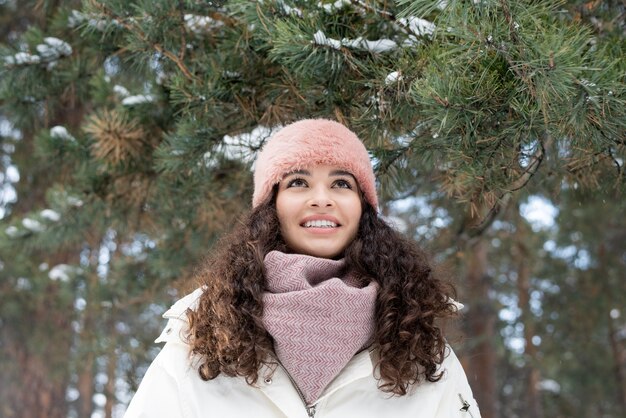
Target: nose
320, 197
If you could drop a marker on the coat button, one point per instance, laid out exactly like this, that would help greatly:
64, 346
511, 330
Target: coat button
168, 331
268, 380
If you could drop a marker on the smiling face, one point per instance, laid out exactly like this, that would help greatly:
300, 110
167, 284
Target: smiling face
319, 209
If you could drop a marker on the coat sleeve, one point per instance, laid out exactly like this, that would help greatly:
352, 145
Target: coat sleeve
158, 395
458, 400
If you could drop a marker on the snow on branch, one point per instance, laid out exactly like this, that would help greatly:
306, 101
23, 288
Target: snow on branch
50, 215
12, 231
33, 225
245, 145
93, 21
121, 90
393, 78
48, 53
288, 10
22, 58
60, 132
53, 49
333, 7
138, 99
201, 24
377, 46
63, 272
319, 38
418, 26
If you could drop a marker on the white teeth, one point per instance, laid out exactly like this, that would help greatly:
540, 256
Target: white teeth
320, 224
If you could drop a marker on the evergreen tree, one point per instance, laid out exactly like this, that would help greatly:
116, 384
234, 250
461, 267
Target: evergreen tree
138, 122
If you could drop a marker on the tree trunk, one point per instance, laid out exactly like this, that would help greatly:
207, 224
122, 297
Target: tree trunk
481, 329
36, 376
87, 344
36, 395
85, 384
619, 359
523, 261
111, 376
617, 349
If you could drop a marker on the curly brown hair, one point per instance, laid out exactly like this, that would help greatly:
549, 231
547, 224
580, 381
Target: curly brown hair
227, 332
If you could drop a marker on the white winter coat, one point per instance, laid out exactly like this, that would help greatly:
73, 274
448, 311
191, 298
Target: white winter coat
172, 388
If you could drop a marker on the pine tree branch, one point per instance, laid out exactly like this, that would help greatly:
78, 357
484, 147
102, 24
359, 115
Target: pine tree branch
619, 168
141, 34
262, 18
486, 222
597, 157
520, 72
539, 154
384, 14
183, 38
504, 199
410, 192
398, 152
494, 150
532, 168
509, 20
618, 141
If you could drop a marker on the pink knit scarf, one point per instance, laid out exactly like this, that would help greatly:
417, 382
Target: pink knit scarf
318, 320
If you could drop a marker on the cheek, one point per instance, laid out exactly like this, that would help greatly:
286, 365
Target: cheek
357, 221
283, 210
356, 210
354, 214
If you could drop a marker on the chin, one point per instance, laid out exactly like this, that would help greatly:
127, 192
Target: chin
318, 254
332, 255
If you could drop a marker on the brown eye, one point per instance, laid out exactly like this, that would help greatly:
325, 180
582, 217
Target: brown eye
342, 184
297, 182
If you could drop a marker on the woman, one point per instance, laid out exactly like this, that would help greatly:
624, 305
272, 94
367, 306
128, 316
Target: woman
313, 306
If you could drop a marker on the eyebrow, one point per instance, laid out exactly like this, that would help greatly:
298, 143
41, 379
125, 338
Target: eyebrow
332, 173
341, 173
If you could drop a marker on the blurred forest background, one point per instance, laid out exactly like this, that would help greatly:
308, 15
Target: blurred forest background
128, 129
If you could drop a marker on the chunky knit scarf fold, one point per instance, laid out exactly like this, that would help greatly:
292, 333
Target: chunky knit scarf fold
318, 319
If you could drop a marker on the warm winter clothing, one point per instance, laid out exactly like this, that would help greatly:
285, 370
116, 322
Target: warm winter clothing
317, 319
320, 316
313, 142
172, 388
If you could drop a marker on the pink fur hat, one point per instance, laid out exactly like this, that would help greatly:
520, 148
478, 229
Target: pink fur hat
313, 142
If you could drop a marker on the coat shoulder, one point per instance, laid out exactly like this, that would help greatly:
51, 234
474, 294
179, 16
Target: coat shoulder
177, 324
